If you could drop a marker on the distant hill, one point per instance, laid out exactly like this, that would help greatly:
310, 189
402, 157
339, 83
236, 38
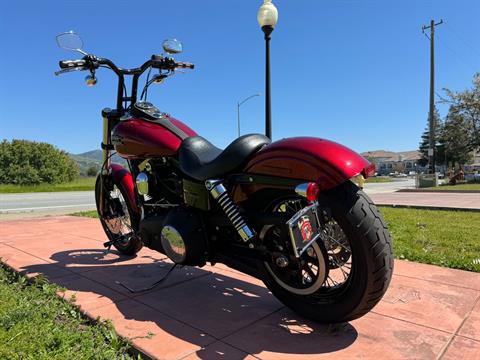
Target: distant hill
93, 158
98, 155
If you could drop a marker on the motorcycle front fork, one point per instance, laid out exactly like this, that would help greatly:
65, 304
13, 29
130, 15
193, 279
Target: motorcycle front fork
106, 161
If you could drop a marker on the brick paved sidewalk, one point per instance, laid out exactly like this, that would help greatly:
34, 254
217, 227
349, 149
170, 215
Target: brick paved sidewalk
217, 313
433, 199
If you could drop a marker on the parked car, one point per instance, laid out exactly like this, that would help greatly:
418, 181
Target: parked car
472, 177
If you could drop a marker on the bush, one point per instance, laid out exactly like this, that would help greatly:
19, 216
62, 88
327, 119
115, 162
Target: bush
92, 171
26, 162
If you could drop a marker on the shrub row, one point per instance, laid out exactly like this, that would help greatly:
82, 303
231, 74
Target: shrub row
26, 162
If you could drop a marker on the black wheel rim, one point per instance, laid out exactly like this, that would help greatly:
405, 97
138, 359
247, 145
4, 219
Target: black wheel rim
333, 244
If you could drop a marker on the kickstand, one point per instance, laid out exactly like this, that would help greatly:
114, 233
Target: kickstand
108, 246
136, 291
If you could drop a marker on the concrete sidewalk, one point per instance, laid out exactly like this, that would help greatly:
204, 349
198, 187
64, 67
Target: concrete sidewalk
469, 201
429, 312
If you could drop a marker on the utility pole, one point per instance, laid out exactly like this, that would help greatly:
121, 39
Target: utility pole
431, 122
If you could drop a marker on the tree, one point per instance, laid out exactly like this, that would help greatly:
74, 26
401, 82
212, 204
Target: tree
92, 171
467, 104
28, 163
425, 141
456, 137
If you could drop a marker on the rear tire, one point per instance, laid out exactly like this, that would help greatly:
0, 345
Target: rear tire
371, 262
118, 219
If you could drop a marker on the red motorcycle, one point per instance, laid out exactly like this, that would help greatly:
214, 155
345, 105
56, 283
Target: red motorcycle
287, 212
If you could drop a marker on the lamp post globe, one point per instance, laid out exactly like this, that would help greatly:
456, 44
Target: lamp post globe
267, 14
267, 17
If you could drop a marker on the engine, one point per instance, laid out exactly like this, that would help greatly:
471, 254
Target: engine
179, 235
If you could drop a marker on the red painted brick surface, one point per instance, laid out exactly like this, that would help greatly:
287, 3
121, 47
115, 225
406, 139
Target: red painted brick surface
218, 313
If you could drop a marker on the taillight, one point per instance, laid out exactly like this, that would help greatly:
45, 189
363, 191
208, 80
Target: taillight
309, 191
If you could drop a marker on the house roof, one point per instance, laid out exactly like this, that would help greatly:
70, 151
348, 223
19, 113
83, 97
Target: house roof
410, 155
383, 155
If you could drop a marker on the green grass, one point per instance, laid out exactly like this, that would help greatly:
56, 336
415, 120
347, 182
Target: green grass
36, 324
446, 238
467, 186
81, 184
89, 214
378, 179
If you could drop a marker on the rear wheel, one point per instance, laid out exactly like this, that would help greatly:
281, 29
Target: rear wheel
118, 219
344, 273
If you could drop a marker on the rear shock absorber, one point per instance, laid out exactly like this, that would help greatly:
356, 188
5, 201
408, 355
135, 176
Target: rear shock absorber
220, 194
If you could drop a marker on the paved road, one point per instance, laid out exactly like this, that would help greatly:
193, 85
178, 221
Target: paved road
55, 203
81, 200
390, 187
52, 202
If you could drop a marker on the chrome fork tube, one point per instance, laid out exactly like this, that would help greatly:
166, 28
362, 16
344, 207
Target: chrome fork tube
106, 161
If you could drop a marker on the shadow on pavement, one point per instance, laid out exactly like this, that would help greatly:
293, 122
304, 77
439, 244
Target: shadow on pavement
218, 306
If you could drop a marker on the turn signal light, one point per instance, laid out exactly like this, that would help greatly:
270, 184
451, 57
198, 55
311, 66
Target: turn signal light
309, 191
90, 80
312, 192
369, 170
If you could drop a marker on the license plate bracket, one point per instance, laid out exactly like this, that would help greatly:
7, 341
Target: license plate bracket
304, 228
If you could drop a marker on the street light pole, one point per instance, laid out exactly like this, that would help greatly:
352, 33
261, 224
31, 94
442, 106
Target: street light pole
238, 110
267, 18
268, 110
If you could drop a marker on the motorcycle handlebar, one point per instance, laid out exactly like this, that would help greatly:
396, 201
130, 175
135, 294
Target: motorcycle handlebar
66, 64
91, 62
156, 61
185, 65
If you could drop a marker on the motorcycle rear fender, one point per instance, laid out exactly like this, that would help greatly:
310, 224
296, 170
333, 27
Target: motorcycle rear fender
123, 179
305, 158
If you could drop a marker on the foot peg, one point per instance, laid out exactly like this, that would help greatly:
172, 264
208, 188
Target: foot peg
108, 244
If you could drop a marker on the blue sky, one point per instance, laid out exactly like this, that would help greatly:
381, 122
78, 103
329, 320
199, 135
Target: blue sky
355, 72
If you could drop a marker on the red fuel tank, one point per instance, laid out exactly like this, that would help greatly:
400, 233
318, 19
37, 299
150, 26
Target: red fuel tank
140, 139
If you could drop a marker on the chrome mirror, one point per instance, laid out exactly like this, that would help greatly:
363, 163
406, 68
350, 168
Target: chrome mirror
70, 41
172, 46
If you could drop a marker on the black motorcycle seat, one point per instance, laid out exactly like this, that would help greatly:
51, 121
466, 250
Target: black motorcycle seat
201, 160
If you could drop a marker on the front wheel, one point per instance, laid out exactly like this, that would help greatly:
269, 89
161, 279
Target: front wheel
118, 219
344, 273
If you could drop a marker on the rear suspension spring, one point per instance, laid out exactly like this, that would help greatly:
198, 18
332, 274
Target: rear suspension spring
220, 194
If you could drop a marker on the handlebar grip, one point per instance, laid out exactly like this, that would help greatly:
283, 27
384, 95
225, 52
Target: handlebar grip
185, 65
66, 64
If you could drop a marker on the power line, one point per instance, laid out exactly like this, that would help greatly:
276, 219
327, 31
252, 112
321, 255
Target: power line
454, 32
461, 59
